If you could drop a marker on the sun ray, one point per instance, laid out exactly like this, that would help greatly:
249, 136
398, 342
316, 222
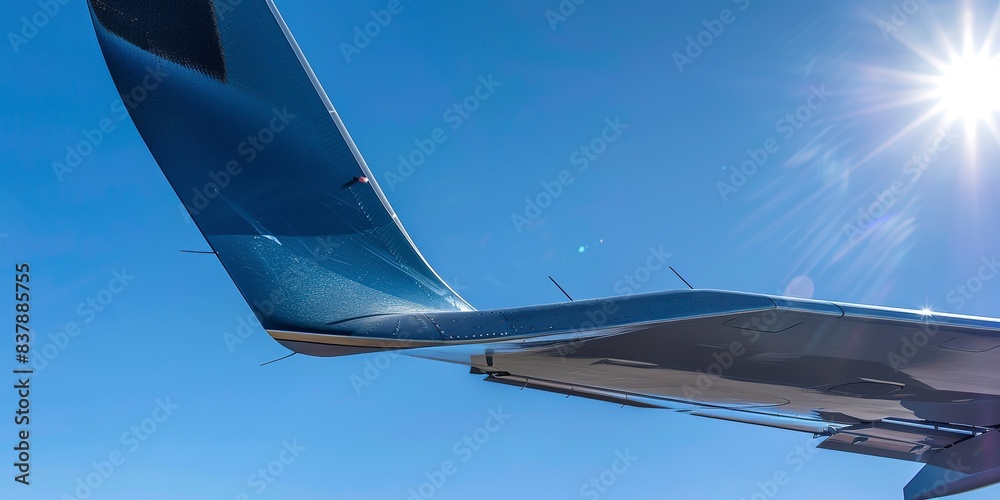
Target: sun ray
899, 135
961, 84
898, 103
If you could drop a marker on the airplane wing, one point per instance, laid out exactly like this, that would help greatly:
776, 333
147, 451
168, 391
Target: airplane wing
875, 381
250, 143
893, 383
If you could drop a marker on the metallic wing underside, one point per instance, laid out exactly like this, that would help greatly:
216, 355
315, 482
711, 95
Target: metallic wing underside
238, 123
876, 381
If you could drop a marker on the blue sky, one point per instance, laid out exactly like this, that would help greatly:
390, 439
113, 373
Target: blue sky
840, 95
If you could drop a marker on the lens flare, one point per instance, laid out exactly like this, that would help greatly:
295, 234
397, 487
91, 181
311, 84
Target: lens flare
958, 86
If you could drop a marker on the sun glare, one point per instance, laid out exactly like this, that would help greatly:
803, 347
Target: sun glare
969, 88
960, 85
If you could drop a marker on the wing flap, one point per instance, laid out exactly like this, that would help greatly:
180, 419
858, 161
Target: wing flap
893, 440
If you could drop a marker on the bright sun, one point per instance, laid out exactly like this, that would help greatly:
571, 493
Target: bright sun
969, 87
962, 87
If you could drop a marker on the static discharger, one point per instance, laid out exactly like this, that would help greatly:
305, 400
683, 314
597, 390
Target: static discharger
279, 359
560, 288
681, 277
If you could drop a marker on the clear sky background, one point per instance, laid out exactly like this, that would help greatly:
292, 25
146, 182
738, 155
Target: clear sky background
781, 230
